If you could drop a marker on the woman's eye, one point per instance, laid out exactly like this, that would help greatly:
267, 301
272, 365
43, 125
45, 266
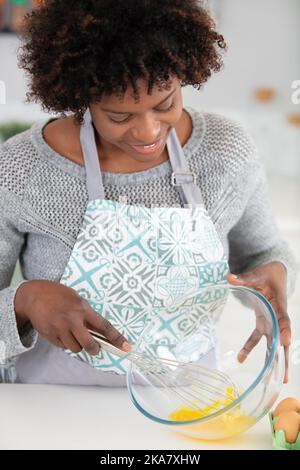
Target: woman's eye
166, 110
118, 122
158, 110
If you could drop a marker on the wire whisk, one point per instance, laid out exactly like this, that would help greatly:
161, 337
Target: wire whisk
193, 384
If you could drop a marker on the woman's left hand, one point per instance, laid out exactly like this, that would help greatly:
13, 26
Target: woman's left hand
270, 280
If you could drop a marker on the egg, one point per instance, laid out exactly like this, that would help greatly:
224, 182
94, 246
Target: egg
289, 422
288, 404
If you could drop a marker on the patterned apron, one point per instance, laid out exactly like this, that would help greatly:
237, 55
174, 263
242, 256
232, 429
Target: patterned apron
133, 263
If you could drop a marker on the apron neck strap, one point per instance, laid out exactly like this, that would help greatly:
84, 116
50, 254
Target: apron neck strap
182, 178
90, 153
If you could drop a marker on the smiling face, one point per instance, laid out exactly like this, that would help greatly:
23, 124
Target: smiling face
137, 130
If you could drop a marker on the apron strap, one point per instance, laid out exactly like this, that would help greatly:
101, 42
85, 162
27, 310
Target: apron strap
182, 178
92, 165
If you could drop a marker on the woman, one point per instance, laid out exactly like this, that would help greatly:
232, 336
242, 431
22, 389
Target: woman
114, 70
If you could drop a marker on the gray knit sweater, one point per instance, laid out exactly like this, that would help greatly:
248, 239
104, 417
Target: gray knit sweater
43, 197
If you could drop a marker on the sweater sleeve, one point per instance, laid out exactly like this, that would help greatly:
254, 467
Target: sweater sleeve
12, 341
256, 240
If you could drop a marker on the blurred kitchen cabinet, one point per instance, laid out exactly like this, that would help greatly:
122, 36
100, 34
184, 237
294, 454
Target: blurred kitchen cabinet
12, 13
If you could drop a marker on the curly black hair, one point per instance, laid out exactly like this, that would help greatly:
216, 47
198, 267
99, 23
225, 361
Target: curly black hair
74, 52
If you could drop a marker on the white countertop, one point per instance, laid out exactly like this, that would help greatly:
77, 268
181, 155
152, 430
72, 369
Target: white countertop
67, 417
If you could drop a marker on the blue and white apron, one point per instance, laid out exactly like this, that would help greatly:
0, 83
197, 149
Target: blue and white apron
133, 264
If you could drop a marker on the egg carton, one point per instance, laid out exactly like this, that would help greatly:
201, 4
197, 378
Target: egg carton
279, 440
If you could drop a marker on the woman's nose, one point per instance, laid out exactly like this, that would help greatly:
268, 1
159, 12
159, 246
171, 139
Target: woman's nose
148, 131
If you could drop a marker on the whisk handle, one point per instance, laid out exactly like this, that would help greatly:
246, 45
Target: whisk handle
106, 344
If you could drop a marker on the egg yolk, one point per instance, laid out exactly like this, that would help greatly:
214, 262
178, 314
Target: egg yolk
227, 424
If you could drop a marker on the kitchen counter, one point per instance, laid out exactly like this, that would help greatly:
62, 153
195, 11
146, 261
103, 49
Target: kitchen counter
67, 417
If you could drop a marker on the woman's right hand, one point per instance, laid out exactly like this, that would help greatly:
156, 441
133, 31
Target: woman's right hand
62, 316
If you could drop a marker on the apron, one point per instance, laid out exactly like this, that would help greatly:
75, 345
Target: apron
136, 265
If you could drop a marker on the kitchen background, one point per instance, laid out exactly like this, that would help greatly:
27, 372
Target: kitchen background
262, 65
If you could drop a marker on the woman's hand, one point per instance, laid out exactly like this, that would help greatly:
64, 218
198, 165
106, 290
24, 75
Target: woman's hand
270, 281
62, 316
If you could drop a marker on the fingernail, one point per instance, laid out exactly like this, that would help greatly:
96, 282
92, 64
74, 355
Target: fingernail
241, 357
126, 346
235, 276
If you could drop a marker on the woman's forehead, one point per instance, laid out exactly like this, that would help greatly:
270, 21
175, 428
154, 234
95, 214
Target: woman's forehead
128, 100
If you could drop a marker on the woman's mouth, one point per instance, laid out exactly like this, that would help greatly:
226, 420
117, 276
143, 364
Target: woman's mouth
145, 149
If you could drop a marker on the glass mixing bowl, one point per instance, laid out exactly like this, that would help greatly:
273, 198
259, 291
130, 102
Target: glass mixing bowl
214, 341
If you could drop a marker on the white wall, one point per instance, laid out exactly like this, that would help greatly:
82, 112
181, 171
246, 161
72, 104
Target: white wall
263, 38
15, 83
9, 72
